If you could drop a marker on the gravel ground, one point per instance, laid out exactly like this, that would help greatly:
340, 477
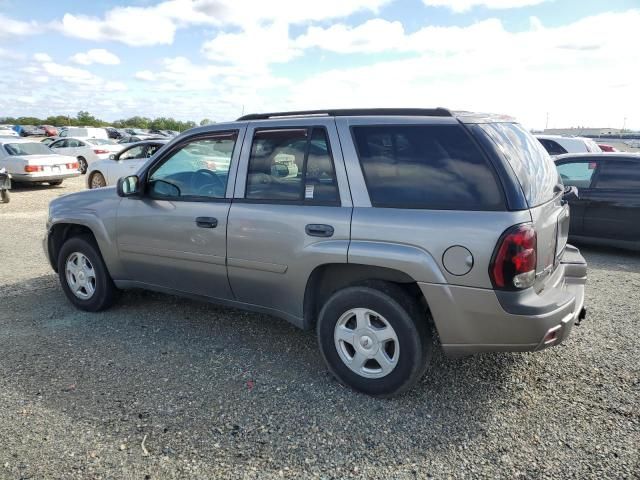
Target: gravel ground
161, 387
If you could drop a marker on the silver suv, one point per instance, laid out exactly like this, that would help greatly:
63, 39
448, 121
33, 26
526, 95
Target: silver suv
381, 229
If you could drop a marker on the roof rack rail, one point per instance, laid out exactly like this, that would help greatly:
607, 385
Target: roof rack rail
353, 112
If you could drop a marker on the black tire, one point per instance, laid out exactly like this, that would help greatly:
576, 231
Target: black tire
55, 183
83, 165
406, 317
5, 196
105, 291
98, 179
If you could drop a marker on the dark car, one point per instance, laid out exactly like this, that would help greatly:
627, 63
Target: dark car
607, 210
114, 133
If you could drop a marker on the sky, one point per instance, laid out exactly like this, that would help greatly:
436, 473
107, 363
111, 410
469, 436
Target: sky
549, 63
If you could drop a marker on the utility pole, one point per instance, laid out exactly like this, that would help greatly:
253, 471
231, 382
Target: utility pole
624, 124
546, 125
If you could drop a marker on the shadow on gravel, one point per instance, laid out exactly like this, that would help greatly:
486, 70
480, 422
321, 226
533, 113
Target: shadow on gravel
610, 258
225, 383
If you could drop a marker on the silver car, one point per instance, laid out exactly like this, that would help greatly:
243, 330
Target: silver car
378, 228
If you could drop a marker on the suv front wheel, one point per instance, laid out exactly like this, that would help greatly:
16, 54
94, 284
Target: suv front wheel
374, 339
84, 276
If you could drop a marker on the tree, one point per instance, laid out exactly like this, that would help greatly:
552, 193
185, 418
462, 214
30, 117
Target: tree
205, 121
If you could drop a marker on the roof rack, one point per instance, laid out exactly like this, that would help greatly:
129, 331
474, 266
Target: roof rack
355, 112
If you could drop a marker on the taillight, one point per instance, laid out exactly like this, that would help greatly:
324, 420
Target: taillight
73, 166
513, 266
33, 168
98, 151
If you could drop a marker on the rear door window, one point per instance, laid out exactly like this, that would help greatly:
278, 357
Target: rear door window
291, 165
427, 167
551, 146
619, 175
529, 160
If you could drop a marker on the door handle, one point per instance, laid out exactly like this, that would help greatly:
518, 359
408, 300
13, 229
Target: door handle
319, 230
207, 222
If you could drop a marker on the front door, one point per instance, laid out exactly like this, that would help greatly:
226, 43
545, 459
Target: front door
174, 236
291, 212
614, 204
578, 173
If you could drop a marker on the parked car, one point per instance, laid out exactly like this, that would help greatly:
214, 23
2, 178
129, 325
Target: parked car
8, 131
366, 225
126, 162
115, 133
32, 162
31, 131
607, 209
86, 150
558, 145
49, 130
129, 139
607, 148
84, 132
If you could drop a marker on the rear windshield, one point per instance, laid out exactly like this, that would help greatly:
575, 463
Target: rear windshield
27, 149
426, 166
528, 158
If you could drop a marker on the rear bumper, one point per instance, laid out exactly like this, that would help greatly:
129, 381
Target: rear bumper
43, 176
473, 320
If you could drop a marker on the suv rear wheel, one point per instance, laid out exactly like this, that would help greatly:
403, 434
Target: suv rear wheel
84, 276
374, 339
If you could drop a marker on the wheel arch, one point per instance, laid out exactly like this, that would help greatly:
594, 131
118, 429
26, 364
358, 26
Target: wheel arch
60, 233
327, 279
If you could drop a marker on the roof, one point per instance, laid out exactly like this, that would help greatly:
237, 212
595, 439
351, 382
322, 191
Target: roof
352, 112
563, 137
600, 155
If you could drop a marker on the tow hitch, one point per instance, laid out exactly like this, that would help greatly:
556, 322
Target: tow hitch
581, 316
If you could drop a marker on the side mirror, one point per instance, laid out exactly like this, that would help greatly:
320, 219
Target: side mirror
112, 156
570, 193
128, 186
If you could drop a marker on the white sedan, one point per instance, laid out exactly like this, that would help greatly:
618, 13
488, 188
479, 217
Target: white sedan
31, 161
126, 162
86, 150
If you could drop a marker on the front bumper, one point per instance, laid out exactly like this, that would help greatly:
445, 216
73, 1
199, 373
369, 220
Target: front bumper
473, 320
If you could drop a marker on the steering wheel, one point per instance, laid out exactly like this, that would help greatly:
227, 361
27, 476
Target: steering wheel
214, 188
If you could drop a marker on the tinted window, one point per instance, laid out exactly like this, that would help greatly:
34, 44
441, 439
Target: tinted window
528, 158
577, 174
291, 165
552, 147
619, 174
430, 167
198, 168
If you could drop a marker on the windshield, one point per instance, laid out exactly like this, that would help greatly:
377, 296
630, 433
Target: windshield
27, 149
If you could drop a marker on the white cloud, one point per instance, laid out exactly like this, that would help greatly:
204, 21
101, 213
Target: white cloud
42, 57
12, 28
145, 75
375, 35
95, 55
465, 5
580, 73
157, 24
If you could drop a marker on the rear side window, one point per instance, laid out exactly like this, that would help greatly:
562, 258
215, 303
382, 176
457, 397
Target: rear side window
551, 146
426, 166
619, 174
528, 159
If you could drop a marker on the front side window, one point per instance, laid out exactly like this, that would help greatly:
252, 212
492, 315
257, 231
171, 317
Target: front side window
293, 165
134, 152
619, 175
199, 168
577, 174
427, 167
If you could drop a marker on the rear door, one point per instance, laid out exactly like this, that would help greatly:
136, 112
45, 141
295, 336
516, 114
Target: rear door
614, 203
291, 212
578, 173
